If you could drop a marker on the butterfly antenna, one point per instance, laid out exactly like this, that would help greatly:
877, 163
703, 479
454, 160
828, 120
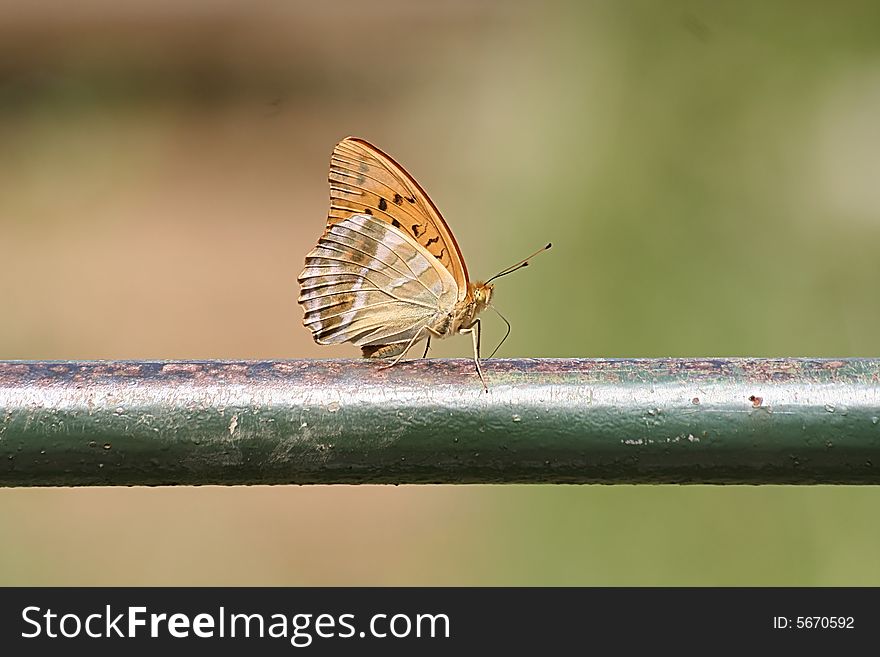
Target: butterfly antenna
519, 265
505, 335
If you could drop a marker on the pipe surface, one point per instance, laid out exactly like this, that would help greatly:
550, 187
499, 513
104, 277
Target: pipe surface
717, 421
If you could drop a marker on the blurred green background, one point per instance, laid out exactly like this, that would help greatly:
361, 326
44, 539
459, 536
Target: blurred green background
709, 173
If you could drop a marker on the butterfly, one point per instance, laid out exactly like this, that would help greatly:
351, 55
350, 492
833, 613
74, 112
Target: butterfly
387, 272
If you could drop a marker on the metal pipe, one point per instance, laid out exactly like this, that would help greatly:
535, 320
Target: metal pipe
718, 421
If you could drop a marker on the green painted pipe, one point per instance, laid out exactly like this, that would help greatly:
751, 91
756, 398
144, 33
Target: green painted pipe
719, 421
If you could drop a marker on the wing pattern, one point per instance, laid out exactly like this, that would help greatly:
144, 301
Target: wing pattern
364, 180
370, 283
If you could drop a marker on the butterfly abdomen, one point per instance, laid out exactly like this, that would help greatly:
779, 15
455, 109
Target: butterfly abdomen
382, 350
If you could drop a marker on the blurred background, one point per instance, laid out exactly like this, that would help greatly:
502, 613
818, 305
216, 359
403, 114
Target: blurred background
709, 173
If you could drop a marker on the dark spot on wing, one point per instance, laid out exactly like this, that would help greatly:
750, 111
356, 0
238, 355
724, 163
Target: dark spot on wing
411, 199
432, 241
398, 199
363, 168
361, 180
383, 204
395, 223
368, 211
415, 230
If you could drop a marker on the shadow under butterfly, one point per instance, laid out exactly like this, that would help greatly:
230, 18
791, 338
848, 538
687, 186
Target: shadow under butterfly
387, 272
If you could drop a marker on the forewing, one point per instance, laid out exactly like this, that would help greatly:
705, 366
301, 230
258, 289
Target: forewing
364, 180
368, 283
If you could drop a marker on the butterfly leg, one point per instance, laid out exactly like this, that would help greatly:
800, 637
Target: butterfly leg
409, 345
474, 330
427, 346
479, 326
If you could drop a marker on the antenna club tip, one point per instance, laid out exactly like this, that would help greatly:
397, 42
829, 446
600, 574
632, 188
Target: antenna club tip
549, 244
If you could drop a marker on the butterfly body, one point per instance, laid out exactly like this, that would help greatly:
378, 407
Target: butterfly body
461, 316
387, 272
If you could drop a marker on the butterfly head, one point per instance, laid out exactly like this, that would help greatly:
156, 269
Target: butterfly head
482, 295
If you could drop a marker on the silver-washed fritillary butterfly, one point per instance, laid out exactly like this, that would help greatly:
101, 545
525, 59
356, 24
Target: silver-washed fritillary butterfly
387, 272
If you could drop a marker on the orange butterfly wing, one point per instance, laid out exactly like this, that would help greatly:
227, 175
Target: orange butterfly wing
364, 180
